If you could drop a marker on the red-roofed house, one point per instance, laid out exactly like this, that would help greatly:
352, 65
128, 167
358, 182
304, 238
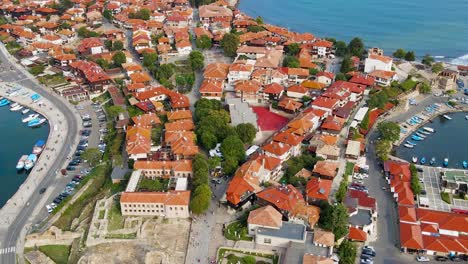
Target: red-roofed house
297, 92
91, 46
273, 91
356, 234
322, 48
291, 139
172, 204
332, 124
378, 62
278, 150
283, 198
325, 77
318, 190
326, 104
410, 237
363, 79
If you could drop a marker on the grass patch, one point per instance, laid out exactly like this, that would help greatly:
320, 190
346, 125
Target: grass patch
101, 214
349, 168
231, 257
53, 80
156, 185
237, 231
446, 197
121, 236
98, 176
115, 218
102, 98
58, 253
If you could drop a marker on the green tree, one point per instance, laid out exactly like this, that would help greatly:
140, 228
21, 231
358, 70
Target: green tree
196, 60
425, 88
291, 62
114, 110
347, 252
200, 170
334, 218
180, 80
229, 43
144, 14
249, 260
415, 186
118, 45
427, 60
37, 69
437, 67
378, 100
149, 59
342, 190
108, 44
356, 47
382, 149
346, 65
103, 63
204, 42
340, 48
119, 58
410, 56
229, 165
389, 131
293, 49
201, 199
399, 53
208, 140
255, 28
232, 146
92, 156
313, 71
365, 121
108, 14
246, 132
259, 20
341, 77
65, 25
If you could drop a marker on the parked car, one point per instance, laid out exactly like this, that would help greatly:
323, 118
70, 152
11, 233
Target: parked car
369, 247
368, 252
364, 256
87, 124
441, 258
71, 168
49, 208
42, 190
456, 259
57, 200
366, 261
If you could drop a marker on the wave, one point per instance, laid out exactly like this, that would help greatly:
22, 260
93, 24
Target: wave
463, 60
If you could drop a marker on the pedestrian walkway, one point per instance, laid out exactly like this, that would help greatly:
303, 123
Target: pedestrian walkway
7, 250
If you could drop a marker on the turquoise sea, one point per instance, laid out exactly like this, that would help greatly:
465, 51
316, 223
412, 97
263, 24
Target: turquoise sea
439, 28
16, 139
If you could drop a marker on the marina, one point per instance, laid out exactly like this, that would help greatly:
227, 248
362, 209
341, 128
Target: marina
443, 145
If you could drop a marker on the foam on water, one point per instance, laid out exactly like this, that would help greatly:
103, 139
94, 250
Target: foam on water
463, 60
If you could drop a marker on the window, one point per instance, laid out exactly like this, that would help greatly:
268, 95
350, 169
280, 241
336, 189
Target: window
267, 240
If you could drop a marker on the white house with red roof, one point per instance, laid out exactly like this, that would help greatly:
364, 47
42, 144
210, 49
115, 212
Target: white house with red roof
325, 77
378, 62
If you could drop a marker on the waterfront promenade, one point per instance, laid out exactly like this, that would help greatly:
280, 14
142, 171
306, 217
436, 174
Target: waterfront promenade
17, 214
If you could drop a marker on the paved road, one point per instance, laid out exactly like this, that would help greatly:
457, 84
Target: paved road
10, 237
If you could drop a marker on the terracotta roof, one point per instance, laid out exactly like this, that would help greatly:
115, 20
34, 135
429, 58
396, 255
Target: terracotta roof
166, 198
180, 125
326, 168
140, 77
276, 148
410, 236
288, 138
446, 244
445, 220
92, 71
268, 162
357, 234
323, 237
384, 59
265, 216
212, 11
323, 43
407, 214
282, 197
333, 123
273, 88
211, 86
311, 259
313, 85
176, 165
329, 75
216, 70
180, 114
297, 88
363, 79
318, 188
241, 66
135, 86
138, 140
146, 120
324, 102
289, 104
247, 86
89, 43
382, 74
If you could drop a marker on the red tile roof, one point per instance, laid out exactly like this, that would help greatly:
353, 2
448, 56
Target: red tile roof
410, 236
288, 138
282, 197
276, 148
445, 220
333, 123
166, 198
273, 88
363, 79
324, 102
357, 234
407, 214
318, 188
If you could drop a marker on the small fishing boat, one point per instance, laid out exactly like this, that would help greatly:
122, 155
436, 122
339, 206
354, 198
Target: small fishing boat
415, 159
423, 160
447, 117
432, 161
465, 164
36, 122
38, 147
420, 135
429, 129
30, 162
446, 162
4, 102
420, 131
408, 145
466, 117
29, 118
414, 137
25, 111
14, 105
16, 108
21, 161
411, 143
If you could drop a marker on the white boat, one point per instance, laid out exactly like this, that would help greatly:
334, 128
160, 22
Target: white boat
29, 118
408, 145
415, 159
16, 108
30, 162
36, 122
21, 161
447, 117
14, 105
25, 111
429, 129
466, 117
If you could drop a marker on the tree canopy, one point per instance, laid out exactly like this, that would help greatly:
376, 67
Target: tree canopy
425, 88
389, 131
201, 199
293, 49
415, 186
196, 60
340, 48
356, 47
347, 252
117, 45
410, 56
119, 58
291, 62
399, 53
149, 59
246, 132
334, 218
92, 156
113, 111
346, 65
382, 149
427, 60
204, 42
232, 146
229, 43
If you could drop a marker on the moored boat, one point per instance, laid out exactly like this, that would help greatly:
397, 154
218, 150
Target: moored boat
466, 117
25, 111
408, 145
446, 162
411, 143
38, 147
14, 105
29, 118
36, 122
420, 135
16, 108
423, 160
432, 161
21, 161
30, 161
4, 102
414, 137
415, 159
429, 129
447, 117
465, 164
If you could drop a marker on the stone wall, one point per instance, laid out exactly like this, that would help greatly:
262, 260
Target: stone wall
52, 236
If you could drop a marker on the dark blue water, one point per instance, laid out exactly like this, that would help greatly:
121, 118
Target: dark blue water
439, 28
449, 141
16, 139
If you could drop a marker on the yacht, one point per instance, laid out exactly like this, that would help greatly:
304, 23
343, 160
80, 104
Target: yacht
432, 161
25, 111
29, 118
16, 108
38, 147
30, 161
429, 129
